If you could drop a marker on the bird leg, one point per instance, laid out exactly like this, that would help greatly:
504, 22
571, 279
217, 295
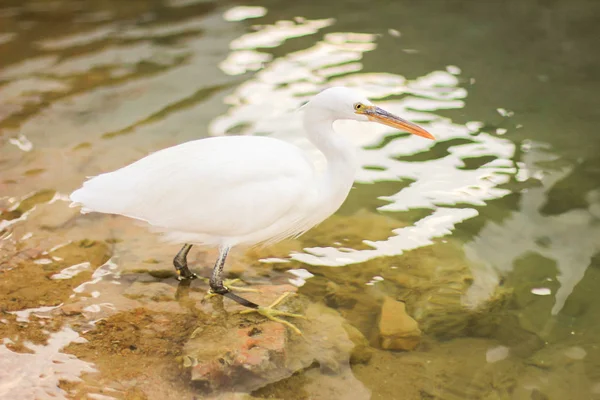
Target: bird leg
180, 263
271, 313
216, 281
217, 287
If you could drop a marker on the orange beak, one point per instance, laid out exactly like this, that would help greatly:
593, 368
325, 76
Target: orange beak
376, 114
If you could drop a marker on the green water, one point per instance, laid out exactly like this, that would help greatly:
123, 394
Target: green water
490, 235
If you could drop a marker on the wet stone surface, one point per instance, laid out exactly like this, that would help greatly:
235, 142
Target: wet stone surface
35, 275
249, 351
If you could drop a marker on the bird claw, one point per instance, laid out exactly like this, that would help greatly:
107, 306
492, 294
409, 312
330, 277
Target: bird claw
273, 314
185, 276
228, 285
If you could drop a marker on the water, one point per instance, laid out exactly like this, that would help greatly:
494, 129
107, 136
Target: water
490, 235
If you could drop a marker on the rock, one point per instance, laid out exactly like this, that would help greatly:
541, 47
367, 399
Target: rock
72, 309
53, 216
505, 328
250, 352
452, 370
235, 396
397, 329
247, 351
11, 257
326, 387
362, 352
28, 283
555, 376
497, 353
557, 356
435, 282
135, 394
42, 196
156, 291
347, 294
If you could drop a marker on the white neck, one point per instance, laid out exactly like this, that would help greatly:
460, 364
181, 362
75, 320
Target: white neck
336, 182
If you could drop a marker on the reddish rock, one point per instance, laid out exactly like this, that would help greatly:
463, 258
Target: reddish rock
247, 354
244, 352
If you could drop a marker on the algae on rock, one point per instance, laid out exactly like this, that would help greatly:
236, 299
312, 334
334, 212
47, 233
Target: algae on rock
248, 352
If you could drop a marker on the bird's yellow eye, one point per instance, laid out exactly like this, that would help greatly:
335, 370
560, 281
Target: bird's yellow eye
358, 107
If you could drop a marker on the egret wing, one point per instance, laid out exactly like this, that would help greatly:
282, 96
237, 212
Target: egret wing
225, 186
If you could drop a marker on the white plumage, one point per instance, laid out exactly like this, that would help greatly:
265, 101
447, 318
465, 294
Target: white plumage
215, 191
225, 191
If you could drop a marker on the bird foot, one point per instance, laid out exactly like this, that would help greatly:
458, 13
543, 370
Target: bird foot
185, 275
227, 285
271, 313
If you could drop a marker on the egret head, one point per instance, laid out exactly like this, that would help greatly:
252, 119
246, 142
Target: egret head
344, 103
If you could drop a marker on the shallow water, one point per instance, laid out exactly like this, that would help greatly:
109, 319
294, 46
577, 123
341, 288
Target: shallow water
491, 234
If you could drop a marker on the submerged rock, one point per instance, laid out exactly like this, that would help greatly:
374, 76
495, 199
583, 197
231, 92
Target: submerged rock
362, 352
353, 231
244, 352
452, 370
49, 278
234, 396
72, 309
314, 385
397, 329
156, 291
432, 281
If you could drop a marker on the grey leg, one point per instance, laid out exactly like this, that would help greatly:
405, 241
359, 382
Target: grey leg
216, 281
180, 263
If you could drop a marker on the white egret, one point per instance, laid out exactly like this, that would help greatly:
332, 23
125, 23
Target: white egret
233, 190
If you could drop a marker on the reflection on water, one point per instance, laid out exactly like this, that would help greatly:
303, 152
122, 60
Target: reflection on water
569, 240
262, 105
458, 229
37, 375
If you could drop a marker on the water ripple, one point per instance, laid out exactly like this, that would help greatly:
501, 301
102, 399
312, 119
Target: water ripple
263, 105
38, 375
